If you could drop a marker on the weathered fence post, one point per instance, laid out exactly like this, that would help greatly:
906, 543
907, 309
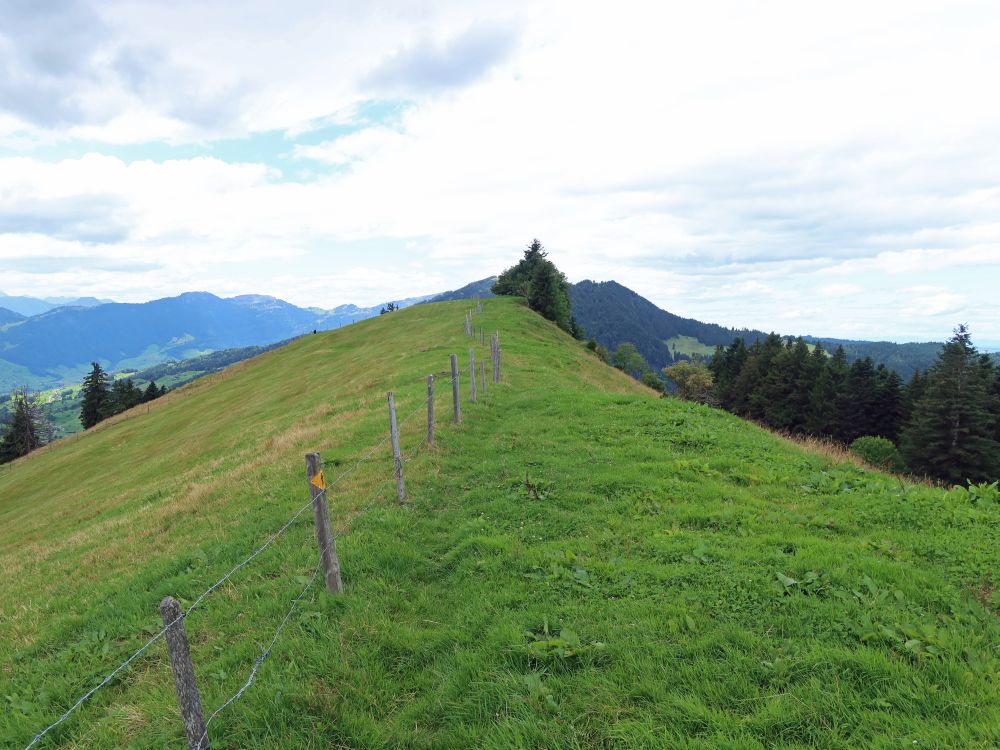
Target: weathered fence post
180, 662
498, 373
430, 410
455, 395
496, 364
396, 457
324, 534
472, 373
482, 376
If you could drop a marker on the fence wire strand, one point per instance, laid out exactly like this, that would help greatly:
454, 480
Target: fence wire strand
369, 504
256, 553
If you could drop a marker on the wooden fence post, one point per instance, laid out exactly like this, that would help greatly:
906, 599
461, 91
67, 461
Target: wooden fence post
496, 364
324, 534
455, 395
482, 376
472, 373
180, 663
396, 456
430, 411
499, 372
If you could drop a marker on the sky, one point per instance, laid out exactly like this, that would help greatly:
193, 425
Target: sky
812, 168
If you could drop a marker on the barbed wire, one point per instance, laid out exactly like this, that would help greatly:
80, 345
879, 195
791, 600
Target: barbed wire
253, 555
370, 503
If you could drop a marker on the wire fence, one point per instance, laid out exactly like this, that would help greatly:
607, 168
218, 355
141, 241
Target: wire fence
371, 502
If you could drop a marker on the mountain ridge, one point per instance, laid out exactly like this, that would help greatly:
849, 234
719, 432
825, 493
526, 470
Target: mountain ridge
54, 347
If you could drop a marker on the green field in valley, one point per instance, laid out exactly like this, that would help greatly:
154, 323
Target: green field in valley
689, 346
581, 564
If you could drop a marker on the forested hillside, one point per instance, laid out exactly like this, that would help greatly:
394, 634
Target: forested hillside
945, 420
612, 314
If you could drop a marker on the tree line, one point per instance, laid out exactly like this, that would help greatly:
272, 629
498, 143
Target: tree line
25, 425
945, 422
102, 398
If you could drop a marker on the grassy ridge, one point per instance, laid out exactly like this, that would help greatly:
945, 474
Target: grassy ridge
582, 565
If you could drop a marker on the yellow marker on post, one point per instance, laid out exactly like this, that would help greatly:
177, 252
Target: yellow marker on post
318, 481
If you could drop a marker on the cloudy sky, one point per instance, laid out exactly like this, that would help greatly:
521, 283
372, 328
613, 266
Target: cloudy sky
825, 168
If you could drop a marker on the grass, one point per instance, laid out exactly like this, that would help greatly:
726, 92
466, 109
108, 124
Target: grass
689, 346
581, 565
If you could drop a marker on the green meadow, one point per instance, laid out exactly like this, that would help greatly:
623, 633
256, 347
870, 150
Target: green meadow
580, 564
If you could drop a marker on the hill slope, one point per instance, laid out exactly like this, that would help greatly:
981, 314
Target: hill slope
612, 314
580, 565
9, 316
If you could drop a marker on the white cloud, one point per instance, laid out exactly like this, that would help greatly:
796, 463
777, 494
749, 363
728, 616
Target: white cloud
745, 164
359, 146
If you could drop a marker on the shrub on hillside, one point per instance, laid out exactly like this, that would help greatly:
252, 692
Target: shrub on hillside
650, 379
880, 452
599, 350
694, 381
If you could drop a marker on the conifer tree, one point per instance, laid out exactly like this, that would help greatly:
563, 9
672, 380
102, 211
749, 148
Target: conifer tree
27, 427
123, 396
95, 396
516, 280
951, 435
915, 390
751, 393
787, 387
827, 394
548, 295
537, 279
855, 409
151, 392
726, 366
887, 417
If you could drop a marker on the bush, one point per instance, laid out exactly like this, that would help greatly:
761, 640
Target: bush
650, 379
694, 381
599, 350
880, 452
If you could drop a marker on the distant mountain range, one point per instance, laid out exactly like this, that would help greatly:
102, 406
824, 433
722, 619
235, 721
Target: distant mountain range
479, 289
55, 346
28, 306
